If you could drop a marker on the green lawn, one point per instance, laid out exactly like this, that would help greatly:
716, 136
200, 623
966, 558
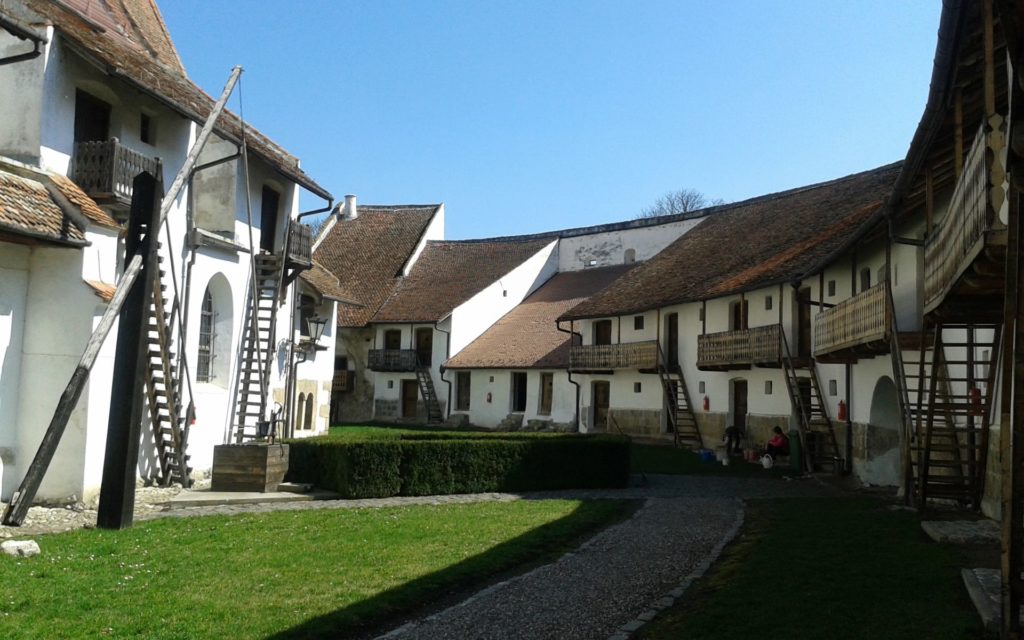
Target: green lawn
322, 573
829, 569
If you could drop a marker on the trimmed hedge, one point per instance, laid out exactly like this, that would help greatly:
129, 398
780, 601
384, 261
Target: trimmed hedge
426, 464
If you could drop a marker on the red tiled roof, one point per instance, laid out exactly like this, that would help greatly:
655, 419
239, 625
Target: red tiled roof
145, 69
136, 22
367, 254
326, 283
449, 273
527, 337
27, 209
85, 204
748, 244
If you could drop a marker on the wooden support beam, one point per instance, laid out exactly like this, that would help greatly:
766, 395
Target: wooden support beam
929, 200
958, 133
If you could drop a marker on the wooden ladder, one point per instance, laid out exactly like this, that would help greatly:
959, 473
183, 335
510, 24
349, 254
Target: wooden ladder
258, 338
434, 415
682, 422
813, 420
953, 406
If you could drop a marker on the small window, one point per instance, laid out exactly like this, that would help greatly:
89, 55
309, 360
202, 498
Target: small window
831, 288
629, 257
491, 379
146, 131
700, 386
636, 387
767, 303
205, 339
767, 387
865, 279
700, 314
462, 390
391, 384
547, 388
833, 388
518, 391
393, 339
638, 323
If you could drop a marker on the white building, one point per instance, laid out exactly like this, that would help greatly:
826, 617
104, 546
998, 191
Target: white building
106, 98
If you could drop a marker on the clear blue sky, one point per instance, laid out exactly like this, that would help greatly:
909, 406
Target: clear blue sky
529, 115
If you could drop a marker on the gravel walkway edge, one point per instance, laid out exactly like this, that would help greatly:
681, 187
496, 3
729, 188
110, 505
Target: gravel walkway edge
670, 598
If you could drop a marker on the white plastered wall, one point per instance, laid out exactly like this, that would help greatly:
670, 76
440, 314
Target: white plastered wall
606, 248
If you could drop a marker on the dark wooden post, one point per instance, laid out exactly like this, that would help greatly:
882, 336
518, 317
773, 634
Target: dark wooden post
127, 403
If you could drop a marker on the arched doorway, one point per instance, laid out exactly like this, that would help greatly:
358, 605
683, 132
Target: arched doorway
877, 459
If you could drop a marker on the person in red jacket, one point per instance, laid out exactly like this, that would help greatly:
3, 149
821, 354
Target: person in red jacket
778, 445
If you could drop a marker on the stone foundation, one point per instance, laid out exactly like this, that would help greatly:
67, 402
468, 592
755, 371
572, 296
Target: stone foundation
635, 422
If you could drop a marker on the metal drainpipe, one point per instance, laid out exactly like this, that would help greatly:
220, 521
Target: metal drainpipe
849, 419
576, 416
447, 355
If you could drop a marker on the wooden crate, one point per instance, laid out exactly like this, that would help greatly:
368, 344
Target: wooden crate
249, 467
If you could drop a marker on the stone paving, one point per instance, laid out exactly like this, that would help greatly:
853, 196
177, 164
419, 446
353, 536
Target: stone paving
982, 531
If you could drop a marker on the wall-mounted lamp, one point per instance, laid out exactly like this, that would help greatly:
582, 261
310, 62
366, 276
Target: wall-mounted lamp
315, 329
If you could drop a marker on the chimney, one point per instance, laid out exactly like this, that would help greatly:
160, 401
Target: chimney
351, 212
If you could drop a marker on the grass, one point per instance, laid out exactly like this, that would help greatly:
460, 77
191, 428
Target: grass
827, 568
648, 458
321, 573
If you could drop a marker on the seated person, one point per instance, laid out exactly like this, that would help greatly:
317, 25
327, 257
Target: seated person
732, 438
778, 445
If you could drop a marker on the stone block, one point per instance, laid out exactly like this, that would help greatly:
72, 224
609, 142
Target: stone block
457, 420
20, 548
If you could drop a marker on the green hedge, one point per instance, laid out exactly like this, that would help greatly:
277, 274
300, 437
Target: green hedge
425, 464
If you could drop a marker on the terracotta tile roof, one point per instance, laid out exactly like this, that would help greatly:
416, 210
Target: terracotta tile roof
145, 68
448, 273
103, 291
326, 283
27, 209
136, 22
367, 254
749, 244
85, 204
526, 337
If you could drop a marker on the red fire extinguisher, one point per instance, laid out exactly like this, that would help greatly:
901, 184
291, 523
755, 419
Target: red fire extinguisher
707, 404
842, 410
975, 397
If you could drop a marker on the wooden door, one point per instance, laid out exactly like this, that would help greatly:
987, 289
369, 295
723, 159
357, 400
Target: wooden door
803, 313
739, 404
602, 395
672, 339
92, 118
410, 393
424, 345
603, 332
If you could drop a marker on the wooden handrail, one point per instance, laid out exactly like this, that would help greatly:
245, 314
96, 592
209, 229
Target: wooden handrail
630, 355
743, 347
108, 168
866, 317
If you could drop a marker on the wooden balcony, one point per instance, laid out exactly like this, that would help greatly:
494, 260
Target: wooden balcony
608, 357
964, 257
105, 170
392, 360
300, 247
741, 349
856, 327
344, 382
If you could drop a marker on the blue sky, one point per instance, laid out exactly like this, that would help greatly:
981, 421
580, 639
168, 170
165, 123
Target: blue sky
525, 116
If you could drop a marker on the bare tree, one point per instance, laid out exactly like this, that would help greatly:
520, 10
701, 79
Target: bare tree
679, 201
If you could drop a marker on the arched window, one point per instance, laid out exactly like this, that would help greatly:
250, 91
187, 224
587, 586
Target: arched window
206, 339
307, 424
214, 355
301, 410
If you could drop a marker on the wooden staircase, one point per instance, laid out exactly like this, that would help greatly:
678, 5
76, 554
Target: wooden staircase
434, 415
948, 387
817, 433
163, 394
258, 339
682, 422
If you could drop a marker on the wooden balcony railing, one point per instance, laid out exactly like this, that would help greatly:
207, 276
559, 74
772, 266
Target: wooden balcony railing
344, 381
597, 357
967, 219
741, 348
300, 245
860, 320
392, 360
106, 169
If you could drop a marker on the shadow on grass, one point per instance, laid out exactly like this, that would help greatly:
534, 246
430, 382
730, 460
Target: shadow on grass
415, 598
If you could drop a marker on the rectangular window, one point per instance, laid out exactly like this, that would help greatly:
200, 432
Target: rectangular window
700, 386
767, 303
833, 388
146, 132
831, 288
638, 323
636, 387
767, 387
518, 391
547, 385
603, 332
462, 390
